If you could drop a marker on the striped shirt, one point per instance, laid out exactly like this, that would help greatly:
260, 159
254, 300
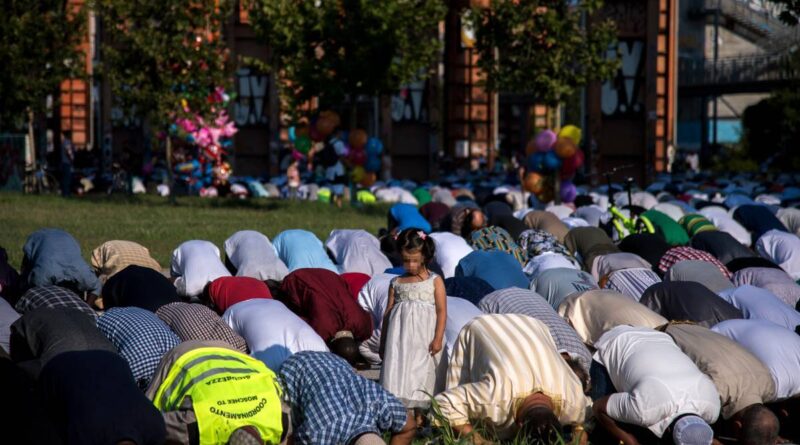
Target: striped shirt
497, 362
526, 302
632, 282
113, 256
695, 223
191, 321
53, 297
678, 254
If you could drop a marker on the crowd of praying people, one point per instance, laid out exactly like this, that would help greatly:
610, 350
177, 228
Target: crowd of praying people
481, 315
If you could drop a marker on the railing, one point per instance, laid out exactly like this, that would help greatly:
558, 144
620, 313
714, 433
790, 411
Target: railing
760, 16
736, 70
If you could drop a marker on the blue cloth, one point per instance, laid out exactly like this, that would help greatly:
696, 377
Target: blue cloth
757, 219
735, 200
407, 216
472, 289
140, 337
399, 270
301, 249
53, 257
331, 404
497, 268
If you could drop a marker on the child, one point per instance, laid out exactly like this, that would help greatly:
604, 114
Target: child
293, 178
414, 322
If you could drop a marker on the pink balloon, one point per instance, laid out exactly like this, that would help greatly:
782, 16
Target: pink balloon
545, 140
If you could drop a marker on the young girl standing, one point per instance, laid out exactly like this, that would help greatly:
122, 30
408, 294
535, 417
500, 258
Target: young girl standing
414, 322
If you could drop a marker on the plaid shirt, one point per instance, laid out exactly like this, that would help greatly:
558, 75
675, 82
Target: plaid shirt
496, 238
526, 302
333, 405
678, 254
113, 256
191, 321
52, 297
536, 242
632, 282
140, 337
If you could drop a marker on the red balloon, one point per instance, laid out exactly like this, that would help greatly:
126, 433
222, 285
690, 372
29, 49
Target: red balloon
358, 157
572, 164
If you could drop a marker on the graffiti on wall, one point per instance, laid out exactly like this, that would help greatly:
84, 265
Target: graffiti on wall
408, 105
251, 107
623, 93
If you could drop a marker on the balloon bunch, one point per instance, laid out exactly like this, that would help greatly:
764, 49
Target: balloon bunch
209, 137
553, 156
365, 157
304, 135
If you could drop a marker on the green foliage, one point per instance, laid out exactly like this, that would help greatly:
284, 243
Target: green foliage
334, 49
158, 52
772, 129
39, 48
541, 46
790, 12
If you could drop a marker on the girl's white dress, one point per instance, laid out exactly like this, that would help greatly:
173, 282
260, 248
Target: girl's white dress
409, 371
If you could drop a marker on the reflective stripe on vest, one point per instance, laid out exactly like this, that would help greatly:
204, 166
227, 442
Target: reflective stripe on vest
228, 389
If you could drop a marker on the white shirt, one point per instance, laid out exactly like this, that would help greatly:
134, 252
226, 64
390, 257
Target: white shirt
778, 349
755, 302
272, 332
656, 380
790, 217
357, 251
574, 221
196, 263
450, 249
545, 261
725, 223
395, 194
459, 313
253, 255
561, 211
670, 210
783, 249
373, 297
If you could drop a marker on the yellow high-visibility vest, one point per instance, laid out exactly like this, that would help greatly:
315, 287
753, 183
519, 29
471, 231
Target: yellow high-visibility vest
228, 389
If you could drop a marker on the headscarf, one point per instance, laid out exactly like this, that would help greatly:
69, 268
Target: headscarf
687, 300
226, 291
536, 242
495, 238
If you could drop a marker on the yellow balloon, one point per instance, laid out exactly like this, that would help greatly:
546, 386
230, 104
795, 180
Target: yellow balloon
571, 132
358, 174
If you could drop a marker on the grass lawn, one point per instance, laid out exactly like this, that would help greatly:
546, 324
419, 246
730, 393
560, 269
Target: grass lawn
154, 223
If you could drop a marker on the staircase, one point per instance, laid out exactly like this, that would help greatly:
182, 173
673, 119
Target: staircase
755, 19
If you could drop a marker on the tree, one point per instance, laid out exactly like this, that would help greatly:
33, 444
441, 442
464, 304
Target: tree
164, 57
790, 11
541, 46
336, 50
39, 47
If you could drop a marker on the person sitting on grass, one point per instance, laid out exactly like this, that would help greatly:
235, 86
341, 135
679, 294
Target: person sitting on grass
506, 373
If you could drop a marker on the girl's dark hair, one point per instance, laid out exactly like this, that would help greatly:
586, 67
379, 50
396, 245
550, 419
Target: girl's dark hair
416, 239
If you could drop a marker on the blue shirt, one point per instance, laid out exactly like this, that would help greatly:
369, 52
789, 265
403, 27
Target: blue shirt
408, 217
301, 249
499, 269
331, 404
53, 257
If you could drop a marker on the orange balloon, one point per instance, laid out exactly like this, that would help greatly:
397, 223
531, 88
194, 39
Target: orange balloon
534, 182
369, 179
531, 147
358, 139
565, 148
333, 116
325, 126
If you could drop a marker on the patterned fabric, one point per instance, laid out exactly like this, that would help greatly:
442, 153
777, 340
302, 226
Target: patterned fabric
526, 302
536, 242
496, 238
140, 337
53, 297
632, 282
192, 321
695, 223
678, 254
333, 405
113, 256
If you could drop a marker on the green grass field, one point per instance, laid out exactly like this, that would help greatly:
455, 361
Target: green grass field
156, 224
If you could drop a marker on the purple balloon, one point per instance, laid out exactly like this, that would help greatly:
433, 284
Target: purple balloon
568, 191
545, 140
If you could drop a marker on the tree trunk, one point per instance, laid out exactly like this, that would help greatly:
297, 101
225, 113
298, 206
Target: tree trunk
170, 174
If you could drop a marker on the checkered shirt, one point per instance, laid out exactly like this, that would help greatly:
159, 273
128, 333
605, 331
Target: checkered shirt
496, 238
331, 404
536, 242
191, 321
113, 256
52, 297
678, 254
526, 302
140, 337
632, 282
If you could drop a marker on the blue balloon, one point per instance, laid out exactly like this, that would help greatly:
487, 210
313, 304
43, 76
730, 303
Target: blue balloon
373, 164
536, 162
227, 143
173, 128
551, 161
374, 146
292, 134
190, 139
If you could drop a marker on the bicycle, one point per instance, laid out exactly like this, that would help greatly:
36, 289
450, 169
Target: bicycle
39, 181
626, 225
